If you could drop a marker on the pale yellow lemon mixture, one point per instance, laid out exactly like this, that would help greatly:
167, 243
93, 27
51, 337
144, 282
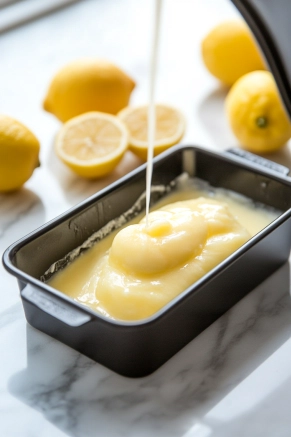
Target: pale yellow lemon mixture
133, 273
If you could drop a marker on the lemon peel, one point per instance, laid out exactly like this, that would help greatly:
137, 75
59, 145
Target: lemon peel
256, 114
88, 85
229, 51
19, 154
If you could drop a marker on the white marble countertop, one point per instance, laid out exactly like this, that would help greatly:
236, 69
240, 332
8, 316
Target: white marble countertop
232, 380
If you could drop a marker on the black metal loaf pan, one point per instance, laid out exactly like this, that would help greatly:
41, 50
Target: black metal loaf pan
137, 349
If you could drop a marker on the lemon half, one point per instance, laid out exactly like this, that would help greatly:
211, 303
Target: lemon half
92, 144
170, 128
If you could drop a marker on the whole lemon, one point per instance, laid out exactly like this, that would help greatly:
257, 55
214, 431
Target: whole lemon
256, 114
88, 85
19, 150
229, 51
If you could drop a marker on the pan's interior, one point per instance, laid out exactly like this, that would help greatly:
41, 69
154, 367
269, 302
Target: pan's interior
35, 254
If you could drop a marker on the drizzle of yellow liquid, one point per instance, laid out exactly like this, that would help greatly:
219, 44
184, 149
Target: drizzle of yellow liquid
135, 272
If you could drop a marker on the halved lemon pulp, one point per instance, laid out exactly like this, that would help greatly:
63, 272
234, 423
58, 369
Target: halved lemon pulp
170, 128
92, 144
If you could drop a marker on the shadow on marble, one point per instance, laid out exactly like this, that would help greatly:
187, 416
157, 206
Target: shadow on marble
212, 114
85, 399
22, 212
75, 188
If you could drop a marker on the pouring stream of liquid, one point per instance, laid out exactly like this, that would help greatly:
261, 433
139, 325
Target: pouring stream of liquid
151, 106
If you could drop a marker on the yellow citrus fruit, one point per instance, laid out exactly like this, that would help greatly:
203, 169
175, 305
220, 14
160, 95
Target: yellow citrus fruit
170, 128
19, 150
256, 114
229, 51
92, 144
88, 85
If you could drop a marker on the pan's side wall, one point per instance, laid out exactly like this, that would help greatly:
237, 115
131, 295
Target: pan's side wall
257, 185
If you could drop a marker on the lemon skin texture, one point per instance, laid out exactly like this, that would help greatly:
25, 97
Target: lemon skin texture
94, 171
88, 85
256, 114
229, 51
19, 152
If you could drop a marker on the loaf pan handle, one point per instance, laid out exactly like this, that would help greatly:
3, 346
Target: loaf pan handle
55, 307
259, 161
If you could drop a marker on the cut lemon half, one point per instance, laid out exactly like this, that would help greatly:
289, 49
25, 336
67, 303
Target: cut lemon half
170, 128
92, 144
